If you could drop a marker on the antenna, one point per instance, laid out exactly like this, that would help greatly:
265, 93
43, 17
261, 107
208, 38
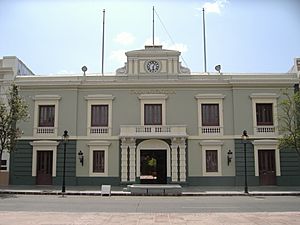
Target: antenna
204, 41
103, 43
153, 26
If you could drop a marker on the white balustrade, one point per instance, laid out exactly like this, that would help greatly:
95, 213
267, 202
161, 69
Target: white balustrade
211, 130
265, 130
99, 130
155, 130
45, 130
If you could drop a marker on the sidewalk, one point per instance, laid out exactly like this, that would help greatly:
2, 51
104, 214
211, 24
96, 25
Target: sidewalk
187, 190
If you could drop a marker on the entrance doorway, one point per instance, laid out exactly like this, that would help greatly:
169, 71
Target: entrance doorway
44, 167
267, 168
153, 166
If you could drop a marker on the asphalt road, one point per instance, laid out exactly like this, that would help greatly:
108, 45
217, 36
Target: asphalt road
152, 204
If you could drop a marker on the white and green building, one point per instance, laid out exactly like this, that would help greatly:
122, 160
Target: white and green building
153, 122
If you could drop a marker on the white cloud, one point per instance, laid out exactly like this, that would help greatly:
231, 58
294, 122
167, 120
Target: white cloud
124, 38
214, 7
176, 46
118, 56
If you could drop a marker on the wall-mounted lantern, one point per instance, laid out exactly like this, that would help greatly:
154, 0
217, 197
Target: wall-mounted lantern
229, 157
80, 157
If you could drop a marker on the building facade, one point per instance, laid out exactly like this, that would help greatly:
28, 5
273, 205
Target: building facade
10, 67
154, 122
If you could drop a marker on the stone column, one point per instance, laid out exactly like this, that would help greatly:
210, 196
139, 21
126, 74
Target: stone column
124, 161
174, 161
128, 175
132, 161
182, 160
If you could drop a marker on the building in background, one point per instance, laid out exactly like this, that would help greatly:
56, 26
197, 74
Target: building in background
154, 122
10, 67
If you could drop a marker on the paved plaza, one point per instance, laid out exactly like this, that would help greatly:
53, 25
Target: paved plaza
56, 218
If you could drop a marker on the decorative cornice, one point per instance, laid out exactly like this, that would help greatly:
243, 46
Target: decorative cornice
153, 97
210, 96
46, 97
264, 95
211, 143
99, 143
99, 97
44, 143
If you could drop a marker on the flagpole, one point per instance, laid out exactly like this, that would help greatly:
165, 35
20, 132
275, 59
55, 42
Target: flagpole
153, 26
102, 70
204, 41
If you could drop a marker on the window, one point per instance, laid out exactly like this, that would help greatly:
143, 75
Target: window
264, 111
211, 161
46, 115
99, 116
153, 114
264, 114
98, 158
98, 161
153, 109
3, 165
211, 157
210, 114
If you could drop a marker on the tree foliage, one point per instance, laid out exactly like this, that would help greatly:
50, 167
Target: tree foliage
289, 121
11, 112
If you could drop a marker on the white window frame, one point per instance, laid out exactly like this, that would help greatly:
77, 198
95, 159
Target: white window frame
5, 156
99, 100
44, 146
266, 145
98, 146
210, 99
40, 100
211, 145
265, 98
153, 99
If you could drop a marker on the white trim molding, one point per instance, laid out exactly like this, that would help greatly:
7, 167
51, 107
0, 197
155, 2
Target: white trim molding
266, 145
265, 98
210, 99
40, 100
98, 146
99, 100
44, 146
211, 145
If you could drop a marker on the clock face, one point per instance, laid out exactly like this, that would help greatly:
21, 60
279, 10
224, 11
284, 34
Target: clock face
152, 66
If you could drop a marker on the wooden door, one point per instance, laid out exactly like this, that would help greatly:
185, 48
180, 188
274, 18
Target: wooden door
44, 167
267, 168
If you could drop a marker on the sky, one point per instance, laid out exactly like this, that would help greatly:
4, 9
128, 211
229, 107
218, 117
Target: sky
61, 36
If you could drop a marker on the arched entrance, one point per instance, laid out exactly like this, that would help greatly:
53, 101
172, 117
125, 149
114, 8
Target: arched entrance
153, 161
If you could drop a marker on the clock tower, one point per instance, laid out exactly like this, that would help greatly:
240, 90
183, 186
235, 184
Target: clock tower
153, 60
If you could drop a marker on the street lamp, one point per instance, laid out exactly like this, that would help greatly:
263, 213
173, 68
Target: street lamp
245, 138
65, 140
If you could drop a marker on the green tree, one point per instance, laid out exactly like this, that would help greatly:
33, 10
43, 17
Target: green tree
11, 112
289, 121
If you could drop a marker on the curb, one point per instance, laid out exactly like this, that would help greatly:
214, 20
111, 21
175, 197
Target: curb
122, 193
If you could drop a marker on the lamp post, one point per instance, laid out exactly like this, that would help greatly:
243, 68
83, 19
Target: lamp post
65, 140
244, 138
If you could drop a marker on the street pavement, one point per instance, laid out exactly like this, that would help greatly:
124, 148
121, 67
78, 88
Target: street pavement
204, 212
186, 191
60, 218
